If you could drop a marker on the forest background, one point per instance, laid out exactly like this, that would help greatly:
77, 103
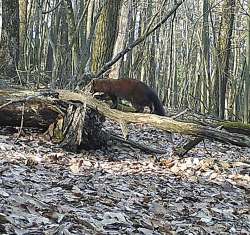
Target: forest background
198, 58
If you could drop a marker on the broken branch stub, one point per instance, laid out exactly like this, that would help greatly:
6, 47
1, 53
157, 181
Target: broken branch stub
83, 130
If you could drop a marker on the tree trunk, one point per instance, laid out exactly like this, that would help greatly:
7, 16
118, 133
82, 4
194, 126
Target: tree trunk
74, 125
246, 107
206, 81
123, 28
9, 46
23, 4
106, 33
73, 40
223, 56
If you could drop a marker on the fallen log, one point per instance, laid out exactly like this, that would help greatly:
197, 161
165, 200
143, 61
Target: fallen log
236, 127
132, 143
160, 122
38, 111
230, 126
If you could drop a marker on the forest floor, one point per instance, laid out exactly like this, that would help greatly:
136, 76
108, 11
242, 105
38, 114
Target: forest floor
120, 190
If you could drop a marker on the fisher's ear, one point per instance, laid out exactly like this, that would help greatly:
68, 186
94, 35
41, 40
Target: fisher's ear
92, 85
93, 82
89, 87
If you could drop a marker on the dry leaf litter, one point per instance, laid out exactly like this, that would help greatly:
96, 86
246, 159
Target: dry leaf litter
120, 190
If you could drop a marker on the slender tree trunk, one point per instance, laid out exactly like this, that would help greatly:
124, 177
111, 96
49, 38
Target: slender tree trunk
223, 55
1, 19
129, 36
206, 82
73, 40
23, 4
174, 87
9, 46
246, 106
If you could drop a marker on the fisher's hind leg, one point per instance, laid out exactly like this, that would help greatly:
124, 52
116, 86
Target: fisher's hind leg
114, 102
138, 108
151, 108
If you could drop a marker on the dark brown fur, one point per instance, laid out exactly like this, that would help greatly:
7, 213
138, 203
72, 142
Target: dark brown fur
137, 92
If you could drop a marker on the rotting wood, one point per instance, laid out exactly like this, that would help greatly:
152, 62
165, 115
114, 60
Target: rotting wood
183, 150
236, 127
66, 126
38, 113
230, 126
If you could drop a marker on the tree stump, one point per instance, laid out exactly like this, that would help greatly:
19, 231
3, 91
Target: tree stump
83, 129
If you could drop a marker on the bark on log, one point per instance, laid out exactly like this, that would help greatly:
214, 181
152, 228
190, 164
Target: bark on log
236, 127
38, 113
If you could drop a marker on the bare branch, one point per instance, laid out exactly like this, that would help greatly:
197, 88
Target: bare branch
52, 9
